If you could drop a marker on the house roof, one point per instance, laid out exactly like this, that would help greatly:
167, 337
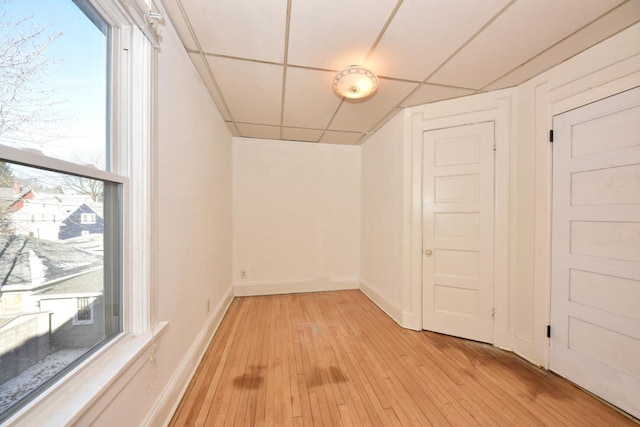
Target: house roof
92, 243
28, 263
63, 204
90, 282
8, 197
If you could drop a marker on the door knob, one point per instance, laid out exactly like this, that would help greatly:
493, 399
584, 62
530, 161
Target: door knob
428, 252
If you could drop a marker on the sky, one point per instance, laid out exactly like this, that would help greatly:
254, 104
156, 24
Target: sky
76, 78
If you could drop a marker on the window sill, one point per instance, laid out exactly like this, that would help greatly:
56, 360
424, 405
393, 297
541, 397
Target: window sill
92, 385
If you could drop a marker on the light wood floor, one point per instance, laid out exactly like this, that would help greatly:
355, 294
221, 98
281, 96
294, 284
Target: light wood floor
334, 358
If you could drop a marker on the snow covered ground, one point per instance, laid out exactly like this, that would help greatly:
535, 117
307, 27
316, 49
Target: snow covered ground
18, 387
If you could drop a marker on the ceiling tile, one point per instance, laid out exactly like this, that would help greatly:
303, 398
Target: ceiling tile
364, 114
253, 90
249, 130
334, 34
336, 137
298, 134
610, 24
180, 24
524, 30
431, 93
240, 28
245, 42
424, 34
309, 99
201, 66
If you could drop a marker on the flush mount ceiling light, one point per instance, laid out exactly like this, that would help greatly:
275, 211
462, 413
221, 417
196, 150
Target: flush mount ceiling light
355, 82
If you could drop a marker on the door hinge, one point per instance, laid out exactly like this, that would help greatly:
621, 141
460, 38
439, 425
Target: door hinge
551, 135
548, 331
493, 313
494, 148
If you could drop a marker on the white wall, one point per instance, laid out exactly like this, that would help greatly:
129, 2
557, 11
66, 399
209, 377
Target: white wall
193, 236
383, 217
296, 216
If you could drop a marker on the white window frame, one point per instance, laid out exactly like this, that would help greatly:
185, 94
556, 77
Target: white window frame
85, 391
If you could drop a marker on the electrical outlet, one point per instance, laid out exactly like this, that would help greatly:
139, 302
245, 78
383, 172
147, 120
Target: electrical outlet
243, 274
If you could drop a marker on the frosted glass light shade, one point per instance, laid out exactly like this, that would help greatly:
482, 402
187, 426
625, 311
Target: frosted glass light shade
355, 82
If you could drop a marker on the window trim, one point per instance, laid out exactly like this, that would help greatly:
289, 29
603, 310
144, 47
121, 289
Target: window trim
133, 59
38, 160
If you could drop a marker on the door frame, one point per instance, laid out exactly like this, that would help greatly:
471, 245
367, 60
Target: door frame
550, 102
497, 107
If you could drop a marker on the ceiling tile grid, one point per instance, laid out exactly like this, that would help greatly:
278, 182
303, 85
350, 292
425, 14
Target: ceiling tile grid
269, 64
240, 28
523, 31
333, 34
606, 26
421, 36
308, 103
252, 90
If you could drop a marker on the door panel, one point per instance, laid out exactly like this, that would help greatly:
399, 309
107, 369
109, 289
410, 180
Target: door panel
595, 289
458, 231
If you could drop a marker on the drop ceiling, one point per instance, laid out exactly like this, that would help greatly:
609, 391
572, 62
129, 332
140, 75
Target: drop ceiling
269, 64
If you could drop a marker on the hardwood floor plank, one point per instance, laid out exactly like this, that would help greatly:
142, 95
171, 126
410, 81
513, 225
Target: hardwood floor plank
185, 414
334, 358
243, 373
291, 364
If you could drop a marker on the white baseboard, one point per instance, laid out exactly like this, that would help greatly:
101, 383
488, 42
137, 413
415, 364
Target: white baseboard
294, 287
395, 312
411, 320
169, 399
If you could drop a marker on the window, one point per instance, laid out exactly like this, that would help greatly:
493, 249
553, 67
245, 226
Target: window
98, 65
87, 218
57, 145
84, 315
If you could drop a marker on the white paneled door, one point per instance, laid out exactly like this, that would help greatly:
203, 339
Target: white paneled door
595, 283
458, 212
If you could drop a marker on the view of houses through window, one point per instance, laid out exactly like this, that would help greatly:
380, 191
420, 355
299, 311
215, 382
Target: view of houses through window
51, 277
59, 280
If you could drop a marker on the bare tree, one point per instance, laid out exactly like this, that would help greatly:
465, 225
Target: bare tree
7, 178
87, 186
26, 105
28, 108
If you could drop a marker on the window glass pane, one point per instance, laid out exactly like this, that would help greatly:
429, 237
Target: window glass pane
56, 301
54, 80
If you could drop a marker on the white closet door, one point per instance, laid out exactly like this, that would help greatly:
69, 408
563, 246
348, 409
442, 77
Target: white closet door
458, 182
595, 290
